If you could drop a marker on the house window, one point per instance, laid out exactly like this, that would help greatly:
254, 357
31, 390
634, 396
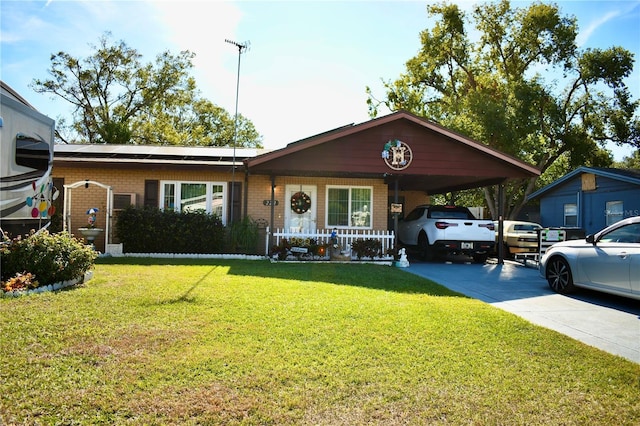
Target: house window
349, 207
614, 212
194, 196
570, 215
168, 196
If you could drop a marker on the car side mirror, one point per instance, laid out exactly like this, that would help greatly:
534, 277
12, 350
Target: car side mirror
591, 239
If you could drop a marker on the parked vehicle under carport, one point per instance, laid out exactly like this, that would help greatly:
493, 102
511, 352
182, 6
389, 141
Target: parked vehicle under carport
441, 230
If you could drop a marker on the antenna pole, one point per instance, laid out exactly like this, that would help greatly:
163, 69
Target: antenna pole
242, 47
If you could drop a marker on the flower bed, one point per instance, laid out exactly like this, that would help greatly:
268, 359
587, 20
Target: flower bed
47, 288
364, 245
41, 259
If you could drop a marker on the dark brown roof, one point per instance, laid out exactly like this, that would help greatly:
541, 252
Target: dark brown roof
442, 160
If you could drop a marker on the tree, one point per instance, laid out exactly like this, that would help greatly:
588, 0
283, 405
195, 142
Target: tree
119, 100
198, 123
493, 89
630, 162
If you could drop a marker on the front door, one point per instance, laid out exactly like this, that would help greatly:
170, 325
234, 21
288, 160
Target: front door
300, 208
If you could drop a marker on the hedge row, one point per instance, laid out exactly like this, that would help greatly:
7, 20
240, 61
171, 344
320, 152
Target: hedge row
151, 230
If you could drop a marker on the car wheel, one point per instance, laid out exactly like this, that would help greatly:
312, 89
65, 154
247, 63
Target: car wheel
424, 251
559, 275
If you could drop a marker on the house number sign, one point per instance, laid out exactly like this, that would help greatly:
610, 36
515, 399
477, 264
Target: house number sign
397, 154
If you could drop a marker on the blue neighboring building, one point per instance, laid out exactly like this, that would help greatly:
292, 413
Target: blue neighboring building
590, 198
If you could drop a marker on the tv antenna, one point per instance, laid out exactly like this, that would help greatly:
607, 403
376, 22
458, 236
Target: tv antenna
242, 47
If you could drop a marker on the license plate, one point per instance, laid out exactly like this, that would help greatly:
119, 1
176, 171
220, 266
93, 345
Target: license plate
467, 245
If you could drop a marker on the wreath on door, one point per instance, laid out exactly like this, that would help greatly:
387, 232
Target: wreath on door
300, 202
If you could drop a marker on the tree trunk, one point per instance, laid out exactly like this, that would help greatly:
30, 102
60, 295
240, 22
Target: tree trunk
512, 205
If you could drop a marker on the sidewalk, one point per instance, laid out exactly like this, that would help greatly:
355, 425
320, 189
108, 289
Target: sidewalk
606, 322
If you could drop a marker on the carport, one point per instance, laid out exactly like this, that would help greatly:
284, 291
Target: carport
411, 154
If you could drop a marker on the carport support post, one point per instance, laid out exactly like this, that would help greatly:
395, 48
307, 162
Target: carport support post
273, 206
500, 224
395, 215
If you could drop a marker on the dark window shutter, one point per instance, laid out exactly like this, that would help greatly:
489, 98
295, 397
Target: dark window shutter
151, 193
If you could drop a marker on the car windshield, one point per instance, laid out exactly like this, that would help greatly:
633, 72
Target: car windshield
415, 214
526, 227
449, 214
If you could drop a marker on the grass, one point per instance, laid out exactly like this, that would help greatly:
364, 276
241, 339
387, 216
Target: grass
250, 342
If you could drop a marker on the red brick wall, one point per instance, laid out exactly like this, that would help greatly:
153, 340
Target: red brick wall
258, 187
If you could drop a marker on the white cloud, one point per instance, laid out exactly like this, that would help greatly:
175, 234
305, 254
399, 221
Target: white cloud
584, 35
620, 11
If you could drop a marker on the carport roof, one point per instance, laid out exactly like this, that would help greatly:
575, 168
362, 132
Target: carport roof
441, 160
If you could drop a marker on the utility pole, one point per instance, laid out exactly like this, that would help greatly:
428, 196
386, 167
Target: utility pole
242, 47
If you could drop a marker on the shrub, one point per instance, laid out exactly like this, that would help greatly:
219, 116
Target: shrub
151, 230
47, 258
243, 236
367, 248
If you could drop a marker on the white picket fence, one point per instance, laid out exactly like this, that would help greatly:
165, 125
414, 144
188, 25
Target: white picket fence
346, 237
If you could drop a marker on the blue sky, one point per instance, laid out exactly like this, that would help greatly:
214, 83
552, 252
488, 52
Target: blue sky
309, 61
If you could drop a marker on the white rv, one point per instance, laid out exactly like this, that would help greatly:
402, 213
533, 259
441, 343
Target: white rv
26, 139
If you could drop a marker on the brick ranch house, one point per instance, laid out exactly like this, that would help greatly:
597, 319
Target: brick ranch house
347, 178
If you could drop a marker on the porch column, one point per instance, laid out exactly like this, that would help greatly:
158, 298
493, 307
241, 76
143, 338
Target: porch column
273, 212
500, 224
245, 195
396, 198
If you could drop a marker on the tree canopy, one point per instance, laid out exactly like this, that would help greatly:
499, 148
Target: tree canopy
630, 162
118, 99
517, 81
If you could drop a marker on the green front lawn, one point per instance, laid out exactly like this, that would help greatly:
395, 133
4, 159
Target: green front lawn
250, 342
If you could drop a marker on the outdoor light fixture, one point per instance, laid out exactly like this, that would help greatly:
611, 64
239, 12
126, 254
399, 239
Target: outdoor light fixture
242, 47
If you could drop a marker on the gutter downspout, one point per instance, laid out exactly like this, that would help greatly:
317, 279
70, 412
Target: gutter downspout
579, 211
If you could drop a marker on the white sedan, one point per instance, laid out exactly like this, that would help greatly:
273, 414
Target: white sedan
608, 261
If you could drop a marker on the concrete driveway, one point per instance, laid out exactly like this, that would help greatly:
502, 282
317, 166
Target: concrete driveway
606, 322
